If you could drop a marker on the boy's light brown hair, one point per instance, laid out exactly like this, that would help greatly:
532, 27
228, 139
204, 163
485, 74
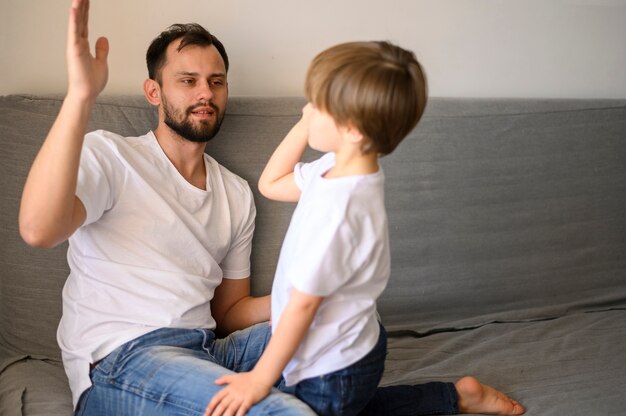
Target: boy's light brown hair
376, 87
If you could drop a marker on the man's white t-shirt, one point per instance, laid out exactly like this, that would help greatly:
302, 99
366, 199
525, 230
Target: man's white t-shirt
337, 246
151, 251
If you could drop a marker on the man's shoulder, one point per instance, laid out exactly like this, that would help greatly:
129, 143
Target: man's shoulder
111, 139
104, 135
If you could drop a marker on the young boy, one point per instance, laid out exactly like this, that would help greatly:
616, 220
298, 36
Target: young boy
365, 97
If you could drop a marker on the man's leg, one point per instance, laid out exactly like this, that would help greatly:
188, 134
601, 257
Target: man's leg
240, 351
168, 372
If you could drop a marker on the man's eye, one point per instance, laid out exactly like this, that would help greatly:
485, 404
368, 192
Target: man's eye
187, 81
216, 83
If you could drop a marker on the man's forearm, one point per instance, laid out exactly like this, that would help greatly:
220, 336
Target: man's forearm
48, 206
50, 211
246, 312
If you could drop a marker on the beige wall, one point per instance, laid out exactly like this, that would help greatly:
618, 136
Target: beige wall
506, 48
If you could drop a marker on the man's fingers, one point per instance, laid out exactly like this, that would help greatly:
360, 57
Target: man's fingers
85, 27
102, 49
72, 27
82, 17
78, 21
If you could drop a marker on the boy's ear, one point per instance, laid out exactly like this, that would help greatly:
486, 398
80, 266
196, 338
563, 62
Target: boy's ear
152, 91
353, 135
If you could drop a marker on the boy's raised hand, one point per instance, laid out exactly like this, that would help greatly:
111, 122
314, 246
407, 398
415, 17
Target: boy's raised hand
87, 76
277, 180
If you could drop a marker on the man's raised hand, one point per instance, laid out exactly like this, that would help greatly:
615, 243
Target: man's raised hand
87, 76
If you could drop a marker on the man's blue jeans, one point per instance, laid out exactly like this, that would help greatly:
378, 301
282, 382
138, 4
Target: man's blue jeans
173, 371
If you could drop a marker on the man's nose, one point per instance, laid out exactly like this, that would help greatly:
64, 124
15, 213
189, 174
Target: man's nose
204, 91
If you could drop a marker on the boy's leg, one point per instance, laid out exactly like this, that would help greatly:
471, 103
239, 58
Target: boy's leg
468, 395
435, 398
347, 391
242, 350
166, 372
475, 397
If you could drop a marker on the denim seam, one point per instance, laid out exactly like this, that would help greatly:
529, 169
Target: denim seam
185, 405
236, 358
205, 348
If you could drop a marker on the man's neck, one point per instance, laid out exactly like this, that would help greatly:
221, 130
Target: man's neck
186, 156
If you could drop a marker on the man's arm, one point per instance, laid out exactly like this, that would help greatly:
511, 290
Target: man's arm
233, 308
246, 389
276, 181
50, 211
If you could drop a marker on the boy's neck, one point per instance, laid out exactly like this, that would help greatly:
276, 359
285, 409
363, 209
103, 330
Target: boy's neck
353, 163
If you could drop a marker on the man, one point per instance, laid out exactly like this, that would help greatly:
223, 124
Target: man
115, 211
159, 240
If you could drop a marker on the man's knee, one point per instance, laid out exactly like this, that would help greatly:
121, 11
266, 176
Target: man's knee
283, 404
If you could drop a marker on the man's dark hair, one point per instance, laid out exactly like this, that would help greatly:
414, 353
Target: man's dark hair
189, 34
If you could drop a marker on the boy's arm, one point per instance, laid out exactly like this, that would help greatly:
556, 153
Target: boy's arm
246, 389
293, 325
50, 211
276, 181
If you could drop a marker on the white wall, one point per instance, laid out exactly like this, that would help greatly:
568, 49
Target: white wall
505, 48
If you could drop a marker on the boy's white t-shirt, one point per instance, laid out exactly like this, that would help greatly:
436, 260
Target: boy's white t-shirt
151, 251
337, 246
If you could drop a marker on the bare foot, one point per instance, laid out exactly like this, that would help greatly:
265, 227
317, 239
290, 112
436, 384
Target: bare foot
475, 397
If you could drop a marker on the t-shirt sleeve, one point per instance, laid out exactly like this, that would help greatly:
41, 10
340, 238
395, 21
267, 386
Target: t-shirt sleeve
236, 263
96, 175
304, 171
300, 173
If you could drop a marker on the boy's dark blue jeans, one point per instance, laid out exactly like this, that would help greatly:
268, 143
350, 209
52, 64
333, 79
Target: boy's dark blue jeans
354, 391
435, 398
346, 391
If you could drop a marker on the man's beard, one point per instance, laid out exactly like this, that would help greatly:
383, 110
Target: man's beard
183, 126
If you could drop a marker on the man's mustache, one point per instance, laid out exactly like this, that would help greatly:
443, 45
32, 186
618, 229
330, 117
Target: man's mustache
207, 104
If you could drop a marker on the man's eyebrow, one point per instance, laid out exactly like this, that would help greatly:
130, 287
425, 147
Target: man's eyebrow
186, 73
195, 74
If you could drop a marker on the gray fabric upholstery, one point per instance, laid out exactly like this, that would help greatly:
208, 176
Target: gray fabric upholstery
574, 365
35, 387
508, 245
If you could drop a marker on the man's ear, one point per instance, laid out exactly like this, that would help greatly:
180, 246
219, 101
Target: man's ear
152, 91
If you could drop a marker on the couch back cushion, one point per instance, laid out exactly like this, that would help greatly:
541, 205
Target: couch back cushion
498, 209
507, 210
31, 279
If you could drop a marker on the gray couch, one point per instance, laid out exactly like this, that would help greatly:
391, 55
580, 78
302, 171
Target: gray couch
508, 227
